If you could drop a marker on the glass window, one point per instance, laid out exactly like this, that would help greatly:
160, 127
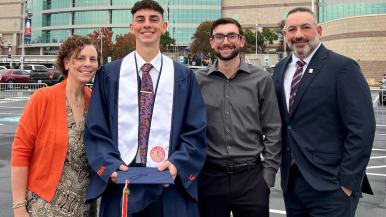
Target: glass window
91, 17
90, 3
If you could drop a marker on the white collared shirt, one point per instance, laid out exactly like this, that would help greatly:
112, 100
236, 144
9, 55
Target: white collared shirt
290, 71
154, 72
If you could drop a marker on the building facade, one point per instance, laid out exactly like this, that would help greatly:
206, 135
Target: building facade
356, 28
261, 13
53, 21
10, 25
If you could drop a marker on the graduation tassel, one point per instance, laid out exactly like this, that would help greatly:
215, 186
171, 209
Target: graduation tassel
125, 198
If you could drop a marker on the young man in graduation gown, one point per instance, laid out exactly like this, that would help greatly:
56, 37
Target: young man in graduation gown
146, 110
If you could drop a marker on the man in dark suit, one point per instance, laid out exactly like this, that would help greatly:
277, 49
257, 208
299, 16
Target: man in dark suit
328, 123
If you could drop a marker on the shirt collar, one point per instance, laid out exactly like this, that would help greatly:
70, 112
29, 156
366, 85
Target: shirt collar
242, 67
308, 58
156, 61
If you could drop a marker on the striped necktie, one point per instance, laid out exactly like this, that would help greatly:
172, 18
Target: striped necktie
295, 82
146, 110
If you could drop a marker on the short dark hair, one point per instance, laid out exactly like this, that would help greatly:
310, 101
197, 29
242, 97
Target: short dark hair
147, 4
301, 9
71, 47
226, 20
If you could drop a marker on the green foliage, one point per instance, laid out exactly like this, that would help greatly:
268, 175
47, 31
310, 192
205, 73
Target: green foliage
201, 38
166, 40
269, 35
264, 37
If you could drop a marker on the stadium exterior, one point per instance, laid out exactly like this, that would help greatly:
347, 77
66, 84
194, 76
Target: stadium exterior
355, 28
53, 20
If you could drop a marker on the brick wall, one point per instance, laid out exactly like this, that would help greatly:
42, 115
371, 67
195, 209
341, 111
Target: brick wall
362, 38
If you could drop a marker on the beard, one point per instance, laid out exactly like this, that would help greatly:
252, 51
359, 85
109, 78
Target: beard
309, 47
234, 53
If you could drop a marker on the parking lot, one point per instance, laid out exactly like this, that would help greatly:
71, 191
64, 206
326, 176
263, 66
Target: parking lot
12, 103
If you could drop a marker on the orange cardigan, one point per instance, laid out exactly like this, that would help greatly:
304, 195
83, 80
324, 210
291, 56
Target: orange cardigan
41, 139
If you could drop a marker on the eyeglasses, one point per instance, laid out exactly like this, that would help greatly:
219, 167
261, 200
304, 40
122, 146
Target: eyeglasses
232, 37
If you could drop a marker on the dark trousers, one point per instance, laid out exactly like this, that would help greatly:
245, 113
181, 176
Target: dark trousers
111, 204
245, 193
301, 200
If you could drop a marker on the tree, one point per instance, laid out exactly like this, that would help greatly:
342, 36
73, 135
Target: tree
250, 38
124, 44
107, 42
269, 35
166, 40
201, 38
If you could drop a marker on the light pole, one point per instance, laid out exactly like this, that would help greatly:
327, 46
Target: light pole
22, 36
256, 26
313, 5
101, 38
29, 15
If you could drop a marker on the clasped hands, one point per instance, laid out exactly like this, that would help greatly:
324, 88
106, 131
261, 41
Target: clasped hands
165, 165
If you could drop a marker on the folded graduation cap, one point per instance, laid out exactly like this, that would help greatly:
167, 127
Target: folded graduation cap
145, 175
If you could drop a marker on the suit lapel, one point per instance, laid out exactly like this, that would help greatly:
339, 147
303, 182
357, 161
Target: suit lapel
311, 71
281, 88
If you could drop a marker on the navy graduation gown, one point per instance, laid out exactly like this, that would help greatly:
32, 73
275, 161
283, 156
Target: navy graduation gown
188, 146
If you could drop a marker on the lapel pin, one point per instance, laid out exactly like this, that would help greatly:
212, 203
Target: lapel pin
310, 71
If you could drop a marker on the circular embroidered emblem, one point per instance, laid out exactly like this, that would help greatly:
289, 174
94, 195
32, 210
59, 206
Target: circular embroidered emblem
157, 154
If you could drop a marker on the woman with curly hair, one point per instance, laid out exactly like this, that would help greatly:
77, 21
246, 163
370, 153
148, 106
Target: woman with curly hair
49, 169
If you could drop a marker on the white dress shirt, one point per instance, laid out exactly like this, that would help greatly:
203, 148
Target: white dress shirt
154, 72
290, 71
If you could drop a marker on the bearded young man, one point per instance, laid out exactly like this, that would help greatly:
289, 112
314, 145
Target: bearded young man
328, 123
243, 128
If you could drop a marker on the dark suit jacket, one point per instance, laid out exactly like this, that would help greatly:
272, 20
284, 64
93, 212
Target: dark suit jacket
188, 145
331, 130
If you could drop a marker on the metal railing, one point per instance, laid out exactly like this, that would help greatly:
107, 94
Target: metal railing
10, 92
379, 105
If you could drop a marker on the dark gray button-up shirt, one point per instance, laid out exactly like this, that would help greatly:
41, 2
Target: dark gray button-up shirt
243, 117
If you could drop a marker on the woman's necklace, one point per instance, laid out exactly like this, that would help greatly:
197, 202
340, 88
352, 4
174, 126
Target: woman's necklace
78, 104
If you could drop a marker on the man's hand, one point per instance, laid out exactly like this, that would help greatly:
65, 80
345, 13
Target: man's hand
114, 175
170, 166
347, 191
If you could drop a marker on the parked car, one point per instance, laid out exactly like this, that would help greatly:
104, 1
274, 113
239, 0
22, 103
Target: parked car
196, 68
41, 74
382, 94
11, 76
2, 67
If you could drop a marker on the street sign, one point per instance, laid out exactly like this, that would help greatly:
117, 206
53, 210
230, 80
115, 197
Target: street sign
108, 59
266, 59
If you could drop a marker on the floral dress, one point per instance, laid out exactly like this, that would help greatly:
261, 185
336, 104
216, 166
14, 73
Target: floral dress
70, 196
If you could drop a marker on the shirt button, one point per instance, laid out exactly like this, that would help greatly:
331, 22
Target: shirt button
227, 113
227, 96
289, 127
229, 147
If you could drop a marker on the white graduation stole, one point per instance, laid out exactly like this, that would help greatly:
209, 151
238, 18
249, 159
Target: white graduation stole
128, 113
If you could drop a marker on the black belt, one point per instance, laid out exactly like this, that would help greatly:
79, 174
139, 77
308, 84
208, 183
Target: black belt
233, 168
